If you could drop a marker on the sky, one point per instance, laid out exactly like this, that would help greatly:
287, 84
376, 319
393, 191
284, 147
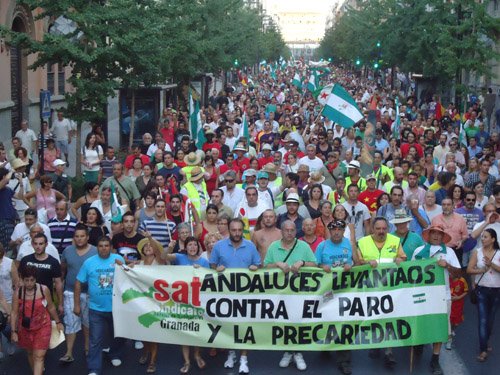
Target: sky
300, 19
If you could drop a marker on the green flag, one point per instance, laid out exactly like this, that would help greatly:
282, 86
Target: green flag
116, 212
243, 133
195, 124
341, 108
313, 83
297, 81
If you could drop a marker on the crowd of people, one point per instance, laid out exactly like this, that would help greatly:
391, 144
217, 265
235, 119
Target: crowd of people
295, 193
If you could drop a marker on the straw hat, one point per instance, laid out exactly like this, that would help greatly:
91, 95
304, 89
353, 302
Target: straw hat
292, 198
192, 159
196, 174
270, 168
316, 178
144, 241
436, 228
400, 216
18, 163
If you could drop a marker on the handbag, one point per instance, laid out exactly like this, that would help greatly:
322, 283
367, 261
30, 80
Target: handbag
56, 337
473, 292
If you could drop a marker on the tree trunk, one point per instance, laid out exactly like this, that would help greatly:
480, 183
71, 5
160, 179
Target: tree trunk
78, 146
132, 121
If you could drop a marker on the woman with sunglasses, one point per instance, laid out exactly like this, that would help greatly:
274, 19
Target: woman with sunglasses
46, 196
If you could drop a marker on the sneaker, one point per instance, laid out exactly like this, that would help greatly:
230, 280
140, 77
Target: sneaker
285, 361
138, 345
345, 368
389, 359
106, 350
116, 362
244, 365
92, 373
448, 344
231, 358
436, 368
299, 361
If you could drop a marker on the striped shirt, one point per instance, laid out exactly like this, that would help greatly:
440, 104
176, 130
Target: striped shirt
62, 232
107, 167
161, 231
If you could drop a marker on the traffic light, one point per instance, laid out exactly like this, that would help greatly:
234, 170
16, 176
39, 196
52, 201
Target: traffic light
329, 59
378, 44
358, 62
375, 65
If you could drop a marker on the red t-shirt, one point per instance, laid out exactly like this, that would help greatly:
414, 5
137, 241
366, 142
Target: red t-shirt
224, 168
263, 161
209, 146
243, 163
299, 155
405, 149
129, 161
369, 198
168, 136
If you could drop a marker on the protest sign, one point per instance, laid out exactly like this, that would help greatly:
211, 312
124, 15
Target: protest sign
387, 306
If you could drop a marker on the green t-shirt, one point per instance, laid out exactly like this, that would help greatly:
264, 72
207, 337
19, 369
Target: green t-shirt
411, 243
471, 131
276, 253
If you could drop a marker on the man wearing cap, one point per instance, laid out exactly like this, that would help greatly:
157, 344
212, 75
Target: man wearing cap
268, 233
72, 259
290, 254
192, 160
370, 195
61, 180
292, 213
311, 160
241, 160
233, 194
249, 178
251, 207
381, 247
353, 170
20, 185
409, 240
196, 190
436, 238
265, 155
337, 252
357, 211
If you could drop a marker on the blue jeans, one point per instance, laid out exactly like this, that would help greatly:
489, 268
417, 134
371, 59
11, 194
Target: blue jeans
488, 301
98, 323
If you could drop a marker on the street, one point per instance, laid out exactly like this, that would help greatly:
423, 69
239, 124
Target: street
459, 361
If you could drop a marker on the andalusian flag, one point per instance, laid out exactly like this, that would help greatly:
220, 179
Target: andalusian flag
195, 124
116, 211
313, 83
341, 108
322, 93
397, 123
244, 133
296, 81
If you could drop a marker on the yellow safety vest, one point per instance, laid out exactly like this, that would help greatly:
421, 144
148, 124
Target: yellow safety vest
194, 197
278, 200
361, 184
369, 251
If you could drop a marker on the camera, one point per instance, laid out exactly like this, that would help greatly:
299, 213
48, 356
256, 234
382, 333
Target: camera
26, 322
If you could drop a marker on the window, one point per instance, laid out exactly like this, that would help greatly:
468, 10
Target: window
50, 78
61, 80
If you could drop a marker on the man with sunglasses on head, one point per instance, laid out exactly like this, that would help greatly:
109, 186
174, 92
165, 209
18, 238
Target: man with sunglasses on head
233, 195
337, 252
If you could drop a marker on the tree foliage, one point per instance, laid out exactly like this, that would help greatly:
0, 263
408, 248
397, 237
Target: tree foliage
436, 38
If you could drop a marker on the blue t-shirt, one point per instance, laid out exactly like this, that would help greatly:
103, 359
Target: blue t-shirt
99, 274
333, 254
184, 260
226, 255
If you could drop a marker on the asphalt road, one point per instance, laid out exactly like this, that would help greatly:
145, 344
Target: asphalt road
459, 361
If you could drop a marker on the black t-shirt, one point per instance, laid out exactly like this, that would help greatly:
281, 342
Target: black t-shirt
95, 233
48, 269
127, 247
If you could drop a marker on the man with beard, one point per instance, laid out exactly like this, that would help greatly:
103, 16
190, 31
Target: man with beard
268, 233
235, 252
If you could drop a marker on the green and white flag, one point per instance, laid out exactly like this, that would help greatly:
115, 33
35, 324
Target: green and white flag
195, 124
297, 82
243, 133
341, 108
313, 83
116, 212
322, 93
397, 123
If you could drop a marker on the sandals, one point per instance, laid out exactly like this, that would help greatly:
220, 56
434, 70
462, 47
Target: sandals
66, 359
482, 356
185, 369
144, 359
200, 363
151, 368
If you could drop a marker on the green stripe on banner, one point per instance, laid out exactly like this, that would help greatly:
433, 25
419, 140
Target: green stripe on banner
338, 117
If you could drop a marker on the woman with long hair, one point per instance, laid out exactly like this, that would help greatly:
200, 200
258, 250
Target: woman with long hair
95, 223
481, 199
192, 257
457, 195
90, 158
145, 180
32, 308
313, 204
211, 174
83, 203
323, 220
209, 224
484, 264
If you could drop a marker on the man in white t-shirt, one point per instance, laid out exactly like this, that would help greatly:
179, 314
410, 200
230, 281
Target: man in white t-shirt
63, 131
21, 231
311, 160
359, 215
27, 137
27, 248
251, 207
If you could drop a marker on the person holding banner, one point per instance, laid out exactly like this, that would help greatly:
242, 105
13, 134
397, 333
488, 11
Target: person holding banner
235, 252
337, 252
436, 238
290, 254
381, 247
